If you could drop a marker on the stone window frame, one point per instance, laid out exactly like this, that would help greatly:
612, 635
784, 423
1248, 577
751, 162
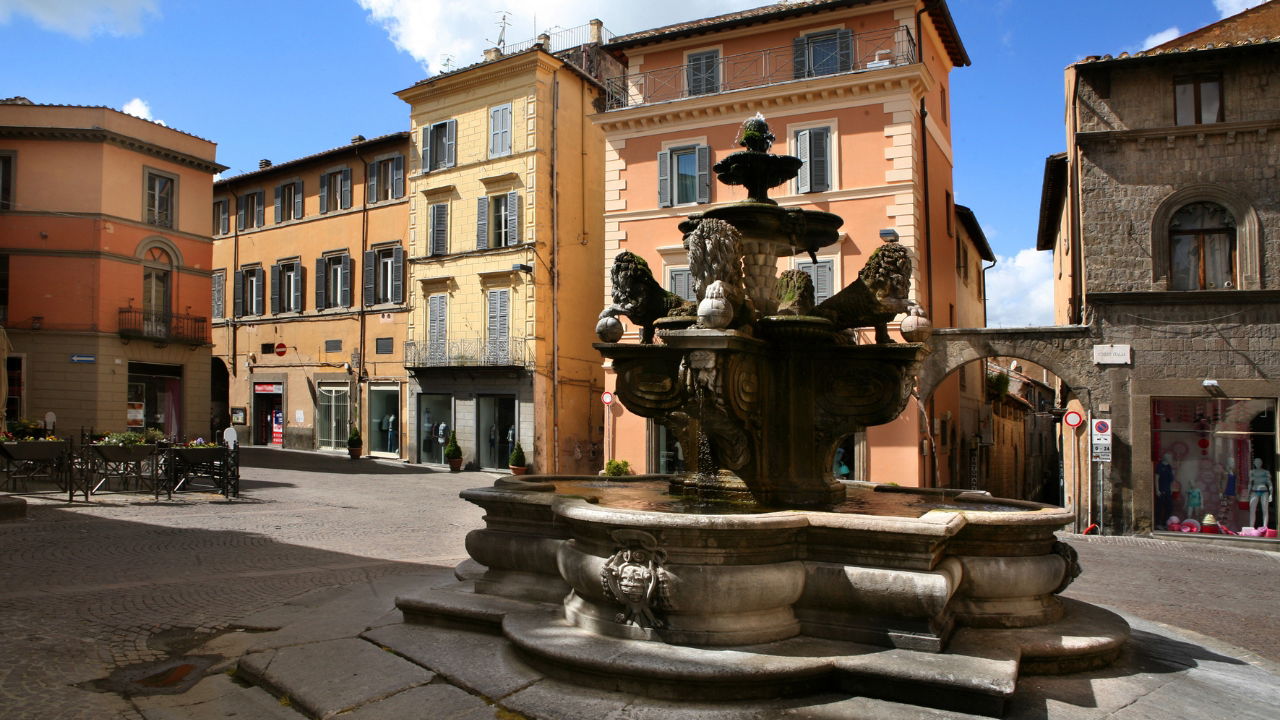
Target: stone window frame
1248, 234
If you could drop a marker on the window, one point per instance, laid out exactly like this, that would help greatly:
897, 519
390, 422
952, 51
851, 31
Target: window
1197, 99
286, 287
249, 211
248, 290
440, 229
500, 130
438, 143
289, 201
823, 53
156, 266
14, 404
498, 220
822, 274
332, 346
4, 288
219, 287
333, 281
703, 72
684, 175
437, 324
383, 346
813, 147
681, 283
335, 190
1202, 248
221, 217
6, 181
950, 210
386, 179
498, 351
160, 198
384, 276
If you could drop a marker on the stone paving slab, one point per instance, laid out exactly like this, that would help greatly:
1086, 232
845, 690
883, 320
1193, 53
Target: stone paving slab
326, 678
437, 701
217, 697
480, 663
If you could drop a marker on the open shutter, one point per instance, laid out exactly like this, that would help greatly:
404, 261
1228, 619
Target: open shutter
439, 229
482, 223
426, 148
803, 183
664, 179
275, 289
513, 218
397, 176
240, 201
370, 276
819, 159
297, 200
322, 280
397, 275
495, 131
800, 58
704, 174
279, 210
822, 281
450, 143
260, 210
324, 193
371, 184
844, 50
298, 274
345, 281
258, 292
345, 201
237, 293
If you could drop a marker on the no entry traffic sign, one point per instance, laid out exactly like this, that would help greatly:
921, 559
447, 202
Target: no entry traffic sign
281, 349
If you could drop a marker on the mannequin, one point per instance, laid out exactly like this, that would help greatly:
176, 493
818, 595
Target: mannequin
1260, 493
1164, 487
1195, 501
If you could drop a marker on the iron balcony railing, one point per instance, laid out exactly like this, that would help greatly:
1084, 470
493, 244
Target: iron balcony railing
562, 40
163, 326
470, 352
857, 52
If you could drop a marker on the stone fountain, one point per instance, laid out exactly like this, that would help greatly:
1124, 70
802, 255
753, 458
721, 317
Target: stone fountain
758, 574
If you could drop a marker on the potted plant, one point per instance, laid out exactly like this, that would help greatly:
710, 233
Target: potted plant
453, 453
517, 462
355, 443
617, 468
124, 447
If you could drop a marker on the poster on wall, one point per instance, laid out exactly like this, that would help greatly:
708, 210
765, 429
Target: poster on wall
239, 416
135, 415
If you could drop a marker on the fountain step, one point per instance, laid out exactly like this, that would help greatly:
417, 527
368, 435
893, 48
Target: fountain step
459, 605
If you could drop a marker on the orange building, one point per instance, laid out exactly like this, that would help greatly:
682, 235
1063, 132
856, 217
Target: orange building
309, 301
105, 257
856, 88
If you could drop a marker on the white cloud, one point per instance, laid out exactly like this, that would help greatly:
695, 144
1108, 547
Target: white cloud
1020, 290
430, 32
1227, 8
82, 18
1161, 37
140, 108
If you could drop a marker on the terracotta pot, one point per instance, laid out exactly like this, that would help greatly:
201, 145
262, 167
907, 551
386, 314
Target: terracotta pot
355, 451
455, 464
518, 469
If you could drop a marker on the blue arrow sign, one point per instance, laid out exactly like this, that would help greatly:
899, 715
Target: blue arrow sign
84, 358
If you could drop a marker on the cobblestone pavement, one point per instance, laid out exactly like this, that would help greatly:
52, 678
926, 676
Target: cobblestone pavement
90, 588
87, 589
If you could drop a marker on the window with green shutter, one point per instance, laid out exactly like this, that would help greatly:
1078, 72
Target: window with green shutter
440, 229
813, 147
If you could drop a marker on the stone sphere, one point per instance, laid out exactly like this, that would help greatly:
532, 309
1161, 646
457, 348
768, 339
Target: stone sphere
715, 310
916, 328
609, 329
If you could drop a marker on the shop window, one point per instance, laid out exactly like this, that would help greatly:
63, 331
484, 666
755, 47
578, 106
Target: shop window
1213, 464
436, 422
15, 402
288, 201
154, 398
1202, 248
333, 420
667, 456
384, 419
1197, 99
335, 190
496, 427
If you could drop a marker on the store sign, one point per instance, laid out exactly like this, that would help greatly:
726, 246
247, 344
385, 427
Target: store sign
1101, 440
1112, 354
268, 388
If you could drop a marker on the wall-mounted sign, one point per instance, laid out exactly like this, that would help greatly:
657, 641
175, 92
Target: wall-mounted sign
606, 397
1072, 419
281, 349
1112, 354
239, 416
84, 358
1101, 440
135, 415
268, 388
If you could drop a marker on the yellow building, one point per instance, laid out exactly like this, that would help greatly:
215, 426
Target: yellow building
309, 299
506, 241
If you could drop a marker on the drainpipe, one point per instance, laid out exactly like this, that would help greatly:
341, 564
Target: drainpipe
984, 292
555, 273
361, 372
235, 265
1073, 194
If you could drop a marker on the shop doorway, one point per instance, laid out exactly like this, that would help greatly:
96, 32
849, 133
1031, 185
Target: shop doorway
435, 421
496, 427
268, 413
154, 398
384, 419
333, 416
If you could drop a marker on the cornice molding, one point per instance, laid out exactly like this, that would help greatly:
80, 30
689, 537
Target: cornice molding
1258, 128
154, 229
103, 135
479, 76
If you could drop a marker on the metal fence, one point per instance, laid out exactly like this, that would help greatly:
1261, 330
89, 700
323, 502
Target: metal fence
871, 50
470, 352
163, 326
561, 40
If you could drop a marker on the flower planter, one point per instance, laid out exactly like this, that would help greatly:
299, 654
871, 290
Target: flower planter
455, 464
355, 451
518, 469
123, 453
35, 450
199, 455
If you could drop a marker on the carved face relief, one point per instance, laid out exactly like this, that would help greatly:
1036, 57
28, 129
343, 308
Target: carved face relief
634, 577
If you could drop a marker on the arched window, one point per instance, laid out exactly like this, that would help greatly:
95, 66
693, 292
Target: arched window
1202, 248
156, 267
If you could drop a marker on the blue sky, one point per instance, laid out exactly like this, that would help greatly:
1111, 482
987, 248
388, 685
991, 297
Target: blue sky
285, 78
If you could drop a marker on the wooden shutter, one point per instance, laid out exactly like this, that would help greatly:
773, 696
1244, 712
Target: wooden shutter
664, 179
499, 325
482, 223
436, 326
324, 193
704, 174
260, 209
345, 281
297, 199
397, 275
450, 143
513, 218
440, 229
371, 182
844, 50
322, 282
370, 277
680, 284
275, 289
219, 286
819, 159
397, 176
345, 201
237, 293
822, 281
800, 57
495, 132
426, 148
279, 210
240, 201
802, 151
258, 290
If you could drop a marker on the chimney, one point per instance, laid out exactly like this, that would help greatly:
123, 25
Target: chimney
492, 53
597, 36
545, 41
357, 139
263, 164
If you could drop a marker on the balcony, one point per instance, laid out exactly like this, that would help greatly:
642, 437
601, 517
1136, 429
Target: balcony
871, 50
163, 327
470, 352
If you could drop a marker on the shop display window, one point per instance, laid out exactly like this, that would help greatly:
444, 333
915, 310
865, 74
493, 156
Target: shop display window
1214, 463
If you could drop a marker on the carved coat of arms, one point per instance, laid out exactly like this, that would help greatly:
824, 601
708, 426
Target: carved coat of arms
634, 576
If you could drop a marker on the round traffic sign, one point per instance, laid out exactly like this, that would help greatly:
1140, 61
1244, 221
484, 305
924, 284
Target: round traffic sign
1101, 427
606, 397
280, 349
1073, 418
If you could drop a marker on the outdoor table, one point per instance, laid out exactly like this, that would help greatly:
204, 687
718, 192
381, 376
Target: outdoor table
37, 460
130, 464
186, 465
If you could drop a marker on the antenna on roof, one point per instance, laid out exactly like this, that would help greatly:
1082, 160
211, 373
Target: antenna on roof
501, 42
446, 64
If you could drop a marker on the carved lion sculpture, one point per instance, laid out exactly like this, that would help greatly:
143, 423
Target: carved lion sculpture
876, 297
715, 255
639, 297
795, 293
